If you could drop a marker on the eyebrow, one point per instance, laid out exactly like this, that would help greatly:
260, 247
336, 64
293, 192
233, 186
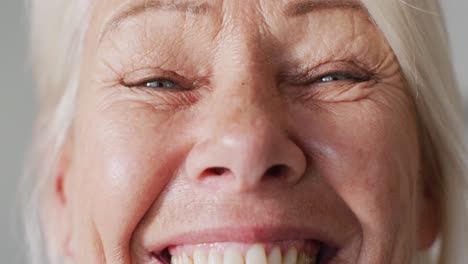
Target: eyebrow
301, 7
293, 8
133, 10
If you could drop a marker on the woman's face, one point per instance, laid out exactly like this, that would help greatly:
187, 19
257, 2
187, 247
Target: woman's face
205, 128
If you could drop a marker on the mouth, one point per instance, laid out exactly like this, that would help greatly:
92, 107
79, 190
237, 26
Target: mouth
302, 251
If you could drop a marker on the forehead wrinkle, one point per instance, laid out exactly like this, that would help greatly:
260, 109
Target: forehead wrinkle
302, 7
131, 10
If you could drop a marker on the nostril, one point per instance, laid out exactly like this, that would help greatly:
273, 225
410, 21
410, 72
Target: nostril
215, 171
277, 171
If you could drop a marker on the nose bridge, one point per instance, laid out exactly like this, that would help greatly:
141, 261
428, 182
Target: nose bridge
247, 103
242, 54
246, 97
244, 79
247, 120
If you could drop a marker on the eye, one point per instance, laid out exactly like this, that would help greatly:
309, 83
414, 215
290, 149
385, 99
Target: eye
161, 83
157, 79
340, 77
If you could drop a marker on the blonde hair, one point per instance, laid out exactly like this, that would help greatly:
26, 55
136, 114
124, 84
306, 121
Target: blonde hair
414, 29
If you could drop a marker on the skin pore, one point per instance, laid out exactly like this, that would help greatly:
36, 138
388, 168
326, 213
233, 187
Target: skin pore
240, 121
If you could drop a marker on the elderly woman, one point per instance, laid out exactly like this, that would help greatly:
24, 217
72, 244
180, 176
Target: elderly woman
260, 131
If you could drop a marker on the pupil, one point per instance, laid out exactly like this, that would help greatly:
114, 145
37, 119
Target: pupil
168, 84
335, 77
328, 79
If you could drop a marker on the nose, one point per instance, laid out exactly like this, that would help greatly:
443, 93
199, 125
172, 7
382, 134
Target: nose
243, 142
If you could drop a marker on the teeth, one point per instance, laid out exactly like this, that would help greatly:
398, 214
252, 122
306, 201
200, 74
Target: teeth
256, 255
186, 259
301, 259
275, 256
304, 259
291, 256
233, 256
199, 257
214, 257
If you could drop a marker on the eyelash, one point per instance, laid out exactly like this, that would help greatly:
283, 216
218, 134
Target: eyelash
170, 84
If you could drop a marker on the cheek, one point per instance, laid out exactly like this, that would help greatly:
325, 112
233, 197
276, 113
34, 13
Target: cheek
368, 152
125, 154
372, 166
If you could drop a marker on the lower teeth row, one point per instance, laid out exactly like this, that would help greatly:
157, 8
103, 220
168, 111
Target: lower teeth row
255, 255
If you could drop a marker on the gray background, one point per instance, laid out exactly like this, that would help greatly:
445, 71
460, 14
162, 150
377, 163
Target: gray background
18, 107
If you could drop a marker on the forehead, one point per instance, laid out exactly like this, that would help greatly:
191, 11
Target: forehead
111, 14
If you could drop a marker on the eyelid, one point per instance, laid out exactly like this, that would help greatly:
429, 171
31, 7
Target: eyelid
313, 74
140, 77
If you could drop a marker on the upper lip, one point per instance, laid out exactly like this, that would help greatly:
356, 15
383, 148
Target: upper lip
243, 235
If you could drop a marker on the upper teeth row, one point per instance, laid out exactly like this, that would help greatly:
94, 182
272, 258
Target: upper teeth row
255, 255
